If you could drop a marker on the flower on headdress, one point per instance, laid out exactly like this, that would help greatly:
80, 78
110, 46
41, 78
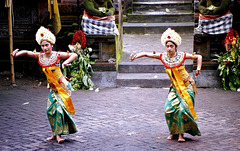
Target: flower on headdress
169, 37
42, 34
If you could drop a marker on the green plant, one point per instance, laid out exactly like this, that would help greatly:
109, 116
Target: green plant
81, 68
229, 62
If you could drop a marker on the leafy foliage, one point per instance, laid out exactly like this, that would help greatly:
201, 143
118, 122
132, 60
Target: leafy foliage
229, 62
81, 68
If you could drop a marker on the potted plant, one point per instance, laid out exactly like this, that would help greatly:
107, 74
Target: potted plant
229, 62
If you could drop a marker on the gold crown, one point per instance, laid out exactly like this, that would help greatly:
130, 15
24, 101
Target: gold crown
45, 34
170, 35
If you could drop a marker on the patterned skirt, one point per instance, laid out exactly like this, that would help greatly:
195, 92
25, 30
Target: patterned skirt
178, 116
92, 26
59, 118
216, 26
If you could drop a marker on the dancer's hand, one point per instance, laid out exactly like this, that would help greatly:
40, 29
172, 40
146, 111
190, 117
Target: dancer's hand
14, 53
66, 64
197, 72
133, 56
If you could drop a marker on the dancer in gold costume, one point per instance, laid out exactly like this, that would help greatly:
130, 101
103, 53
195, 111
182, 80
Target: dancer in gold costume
59, 104
179, 107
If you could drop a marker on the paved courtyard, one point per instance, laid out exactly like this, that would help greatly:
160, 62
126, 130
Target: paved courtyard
116, 119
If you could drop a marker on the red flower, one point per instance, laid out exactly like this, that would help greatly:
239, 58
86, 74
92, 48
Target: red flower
227, 62
79, 37
169, 37
42, 34
231, 35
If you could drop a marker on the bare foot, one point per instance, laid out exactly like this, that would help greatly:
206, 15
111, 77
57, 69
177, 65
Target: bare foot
60, 139
51, 138
180, 138
170, 137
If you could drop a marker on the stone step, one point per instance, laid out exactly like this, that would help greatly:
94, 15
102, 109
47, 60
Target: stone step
162, 6
146, 80
156, 28
68, 20
148, 67
161, 17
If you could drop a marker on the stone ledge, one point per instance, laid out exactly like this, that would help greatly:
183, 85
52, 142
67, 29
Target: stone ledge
104, 66
208, 79
104, 79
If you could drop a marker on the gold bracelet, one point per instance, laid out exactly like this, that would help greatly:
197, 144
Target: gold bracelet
154, 56
68, 54
34, 53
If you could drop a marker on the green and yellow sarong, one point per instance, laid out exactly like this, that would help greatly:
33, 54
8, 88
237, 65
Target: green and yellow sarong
60, 119
59, 106
178, 116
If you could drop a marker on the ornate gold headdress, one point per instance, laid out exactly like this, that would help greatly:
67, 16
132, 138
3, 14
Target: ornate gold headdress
45, 34
170, 35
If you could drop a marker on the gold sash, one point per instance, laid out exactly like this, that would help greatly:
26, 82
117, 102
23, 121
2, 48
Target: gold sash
177, 81
63, 94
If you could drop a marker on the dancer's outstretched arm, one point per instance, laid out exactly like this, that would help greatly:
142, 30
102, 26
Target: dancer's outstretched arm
17, 53
154, 55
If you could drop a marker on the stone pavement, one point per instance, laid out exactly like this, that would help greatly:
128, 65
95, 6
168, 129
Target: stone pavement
116, 119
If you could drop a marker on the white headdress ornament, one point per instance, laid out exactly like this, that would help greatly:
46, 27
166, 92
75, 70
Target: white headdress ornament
45, 34
170, 35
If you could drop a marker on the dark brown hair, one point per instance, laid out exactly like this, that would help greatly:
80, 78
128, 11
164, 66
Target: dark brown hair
171, 42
